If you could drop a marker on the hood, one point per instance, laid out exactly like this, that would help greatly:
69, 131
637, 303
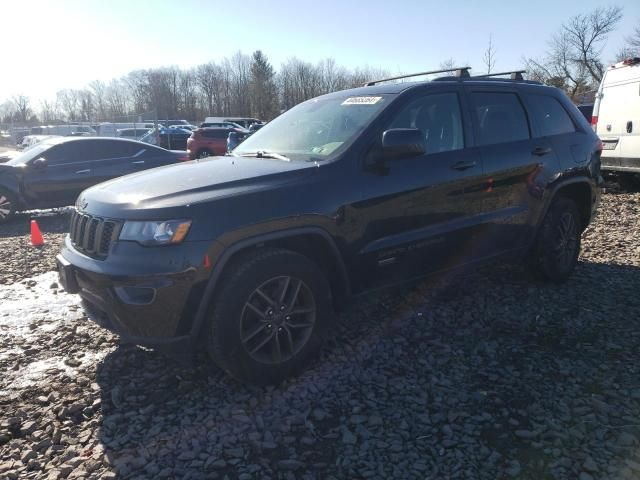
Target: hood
189, 183
5, 168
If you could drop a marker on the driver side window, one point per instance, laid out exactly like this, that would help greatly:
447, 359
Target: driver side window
438, 117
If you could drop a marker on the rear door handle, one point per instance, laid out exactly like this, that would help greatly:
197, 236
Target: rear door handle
139, 162
463, 165
88, 170
540, 151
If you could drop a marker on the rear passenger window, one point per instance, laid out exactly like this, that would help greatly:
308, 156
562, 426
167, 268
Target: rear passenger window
500, 118
551, 116
438, 116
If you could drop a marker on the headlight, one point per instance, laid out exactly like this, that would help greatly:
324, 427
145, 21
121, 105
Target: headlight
156, 232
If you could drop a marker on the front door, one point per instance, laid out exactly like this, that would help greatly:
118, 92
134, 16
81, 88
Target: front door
67, 172
417, 214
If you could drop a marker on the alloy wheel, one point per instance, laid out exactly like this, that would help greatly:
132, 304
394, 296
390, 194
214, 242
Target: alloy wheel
5, 207
566, 240
277, 320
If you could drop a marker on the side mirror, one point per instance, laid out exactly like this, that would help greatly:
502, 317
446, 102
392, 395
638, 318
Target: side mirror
40, 162
403, 143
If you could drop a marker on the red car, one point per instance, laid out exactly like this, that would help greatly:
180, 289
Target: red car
207, 142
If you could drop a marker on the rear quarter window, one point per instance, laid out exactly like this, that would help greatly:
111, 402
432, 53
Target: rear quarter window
550, 115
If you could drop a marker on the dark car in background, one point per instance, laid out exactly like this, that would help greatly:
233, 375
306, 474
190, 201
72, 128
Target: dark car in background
255, 127
53, 172
167, 137
586, 109
207, 142
246, 256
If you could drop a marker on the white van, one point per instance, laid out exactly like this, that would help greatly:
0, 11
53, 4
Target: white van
616, 120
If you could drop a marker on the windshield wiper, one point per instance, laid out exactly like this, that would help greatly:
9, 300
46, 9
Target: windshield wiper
265, 154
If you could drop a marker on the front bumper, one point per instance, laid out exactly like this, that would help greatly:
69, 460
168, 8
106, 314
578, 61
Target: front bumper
146, 295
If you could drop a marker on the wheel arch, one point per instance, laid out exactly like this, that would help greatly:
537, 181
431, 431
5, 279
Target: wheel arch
313, 242
580, 190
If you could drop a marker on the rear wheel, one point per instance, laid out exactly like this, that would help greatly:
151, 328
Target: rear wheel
271, 316
205, 153
7, 206
555, 252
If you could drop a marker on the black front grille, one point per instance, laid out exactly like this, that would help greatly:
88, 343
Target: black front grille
92, 235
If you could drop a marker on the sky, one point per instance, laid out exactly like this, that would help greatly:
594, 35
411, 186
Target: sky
50, 45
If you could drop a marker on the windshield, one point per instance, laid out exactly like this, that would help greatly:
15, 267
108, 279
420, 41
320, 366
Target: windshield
33, 152
316, 129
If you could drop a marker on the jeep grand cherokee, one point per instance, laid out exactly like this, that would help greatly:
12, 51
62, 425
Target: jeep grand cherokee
248, 255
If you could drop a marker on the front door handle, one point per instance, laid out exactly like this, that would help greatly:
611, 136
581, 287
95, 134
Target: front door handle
629, 127
540, 151
88, 170
463, 165
139, 162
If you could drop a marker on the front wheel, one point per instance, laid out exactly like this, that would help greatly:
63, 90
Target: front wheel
555, 252
7, 206
271, 316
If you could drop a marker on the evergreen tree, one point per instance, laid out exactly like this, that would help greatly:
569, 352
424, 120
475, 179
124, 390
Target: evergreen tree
262, 88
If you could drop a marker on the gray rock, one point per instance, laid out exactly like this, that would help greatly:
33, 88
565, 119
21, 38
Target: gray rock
290, 464
348, 437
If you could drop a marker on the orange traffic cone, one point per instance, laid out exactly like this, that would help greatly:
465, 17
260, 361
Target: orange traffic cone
36, 235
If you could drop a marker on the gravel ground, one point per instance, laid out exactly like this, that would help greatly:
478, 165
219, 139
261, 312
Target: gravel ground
498, 377
18, 259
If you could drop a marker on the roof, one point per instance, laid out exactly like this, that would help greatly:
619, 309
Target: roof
396, 88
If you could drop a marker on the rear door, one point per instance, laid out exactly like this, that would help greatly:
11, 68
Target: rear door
68, 171
418, 214
115, 158
511, 160
555, 127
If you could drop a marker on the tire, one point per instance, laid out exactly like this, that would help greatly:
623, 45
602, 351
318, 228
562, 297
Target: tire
253, 334
7, 206
629, 181
204, 153
557, 246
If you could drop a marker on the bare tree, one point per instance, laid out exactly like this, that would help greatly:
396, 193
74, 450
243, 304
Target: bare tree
208, 79
573, 59
6, 111
69, 102
49, 111
632, 47
99, 90
634, 39
489, 57
22, 108
447, 64
586, 35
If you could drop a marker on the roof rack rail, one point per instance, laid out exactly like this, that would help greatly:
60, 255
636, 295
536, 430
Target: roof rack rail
514, 74
459, 72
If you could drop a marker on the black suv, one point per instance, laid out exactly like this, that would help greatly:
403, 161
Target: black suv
248, 255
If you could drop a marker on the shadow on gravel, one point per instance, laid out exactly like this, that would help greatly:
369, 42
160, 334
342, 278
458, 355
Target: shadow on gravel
485, 376
49, 221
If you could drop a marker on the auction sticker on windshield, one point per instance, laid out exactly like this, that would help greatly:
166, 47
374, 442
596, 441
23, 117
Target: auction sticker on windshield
361, 100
